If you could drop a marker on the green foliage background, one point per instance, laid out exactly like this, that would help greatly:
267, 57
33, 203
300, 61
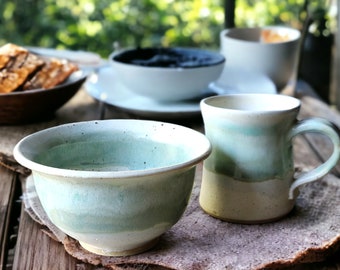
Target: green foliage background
95, 25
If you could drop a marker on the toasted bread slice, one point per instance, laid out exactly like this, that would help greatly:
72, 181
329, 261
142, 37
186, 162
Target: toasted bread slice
17, 65
54, 72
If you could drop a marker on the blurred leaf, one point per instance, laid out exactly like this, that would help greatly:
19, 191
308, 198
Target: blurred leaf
95, 25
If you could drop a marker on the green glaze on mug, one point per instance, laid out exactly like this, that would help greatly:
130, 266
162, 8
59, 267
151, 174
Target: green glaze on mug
248, 177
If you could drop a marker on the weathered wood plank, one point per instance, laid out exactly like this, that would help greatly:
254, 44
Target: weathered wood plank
336, 63
36, 250
7, 194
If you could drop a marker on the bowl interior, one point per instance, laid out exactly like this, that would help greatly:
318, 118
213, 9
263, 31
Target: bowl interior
117, 151
169, 57
263, 34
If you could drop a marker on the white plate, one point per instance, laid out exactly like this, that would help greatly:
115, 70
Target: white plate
82, 58
235, 81
104, 86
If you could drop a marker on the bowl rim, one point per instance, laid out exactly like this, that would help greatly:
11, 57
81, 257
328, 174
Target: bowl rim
205, 151
74, 78
225, 34
220, 59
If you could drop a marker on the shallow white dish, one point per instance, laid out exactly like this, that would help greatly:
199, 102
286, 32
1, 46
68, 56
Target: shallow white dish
105, 86
83, 58
175, 73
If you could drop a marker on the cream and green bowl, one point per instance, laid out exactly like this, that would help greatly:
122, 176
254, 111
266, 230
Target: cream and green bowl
114, 185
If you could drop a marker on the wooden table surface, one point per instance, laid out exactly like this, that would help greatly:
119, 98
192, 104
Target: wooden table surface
24, 245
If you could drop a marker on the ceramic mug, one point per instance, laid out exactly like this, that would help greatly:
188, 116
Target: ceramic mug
249, 176
272, 51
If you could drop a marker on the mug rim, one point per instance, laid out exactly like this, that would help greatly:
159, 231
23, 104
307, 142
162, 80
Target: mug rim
215, 103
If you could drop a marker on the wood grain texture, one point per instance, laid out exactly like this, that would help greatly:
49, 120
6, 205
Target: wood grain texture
36, 250
7, 196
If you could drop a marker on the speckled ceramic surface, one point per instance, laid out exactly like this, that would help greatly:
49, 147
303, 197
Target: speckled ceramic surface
114, 185
249, 175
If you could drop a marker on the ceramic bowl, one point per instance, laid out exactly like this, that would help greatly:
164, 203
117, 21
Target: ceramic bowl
167, 74
272, 51
114, 185
38, 104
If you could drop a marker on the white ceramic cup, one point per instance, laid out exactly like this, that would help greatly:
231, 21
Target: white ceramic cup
249, 176
275, 55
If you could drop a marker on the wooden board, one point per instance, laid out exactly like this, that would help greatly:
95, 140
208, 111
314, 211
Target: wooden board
7, 194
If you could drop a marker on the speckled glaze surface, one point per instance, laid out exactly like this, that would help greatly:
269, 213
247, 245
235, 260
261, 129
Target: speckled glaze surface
248, 177
114, 185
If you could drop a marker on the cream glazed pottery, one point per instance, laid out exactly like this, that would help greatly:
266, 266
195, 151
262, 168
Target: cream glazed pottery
244, 48
249, 176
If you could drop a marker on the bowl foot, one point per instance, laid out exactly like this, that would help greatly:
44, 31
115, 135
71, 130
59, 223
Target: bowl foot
106, 252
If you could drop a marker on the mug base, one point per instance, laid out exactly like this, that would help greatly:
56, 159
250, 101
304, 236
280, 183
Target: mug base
250, 222
244, 202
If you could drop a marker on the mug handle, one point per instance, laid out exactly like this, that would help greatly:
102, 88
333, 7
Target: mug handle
327, 128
